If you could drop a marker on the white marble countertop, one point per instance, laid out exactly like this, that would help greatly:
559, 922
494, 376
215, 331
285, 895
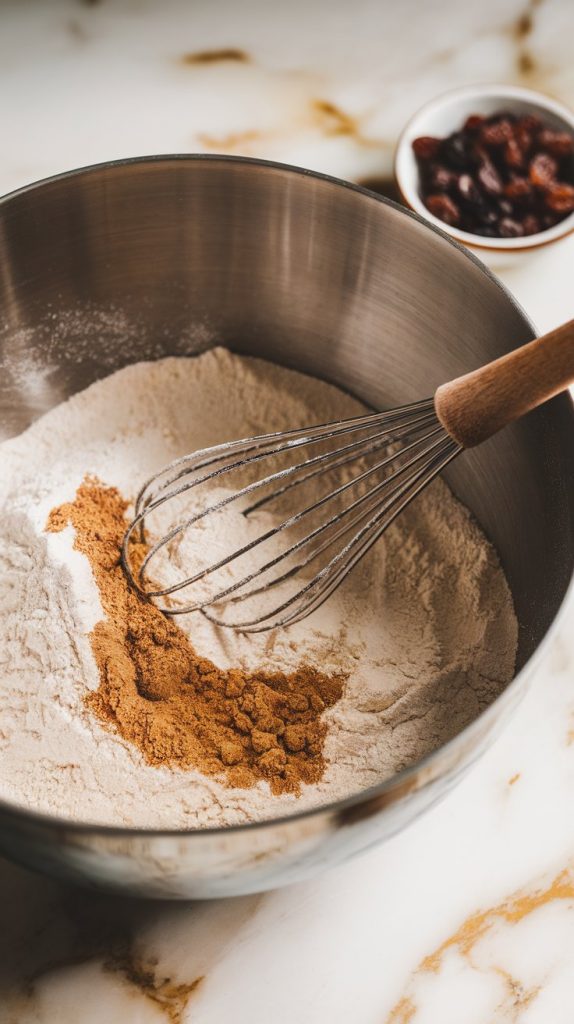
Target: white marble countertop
468, 916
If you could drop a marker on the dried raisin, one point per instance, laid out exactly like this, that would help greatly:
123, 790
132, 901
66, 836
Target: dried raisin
489, 178
440, 179
523, 138
542, 170
530, 123
558, 144
473, 123
468, 190
457, 152
531, 224
505, 207
426, 147
510, 228
519, 189
560, 197
496, 133
513, 155
444, 208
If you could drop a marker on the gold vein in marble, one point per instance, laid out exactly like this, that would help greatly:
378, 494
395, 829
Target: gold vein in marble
319, 116
223, 56
403, 1012
169, 996
510, 911
476, 927
518, 997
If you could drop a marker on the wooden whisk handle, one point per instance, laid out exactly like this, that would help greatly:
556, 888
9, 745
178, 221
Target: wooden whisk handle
474, 407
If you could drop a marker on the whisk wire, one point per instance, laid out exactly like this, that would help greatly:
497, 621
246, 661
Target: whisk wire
398, 434
415, 449
272, 532
153, 503
304, 541
280, 441
322, 585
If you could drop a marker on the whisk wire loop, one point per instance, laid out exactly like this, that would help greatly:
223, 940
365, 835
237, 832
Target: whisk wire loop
395, 453
290, 522
318, 589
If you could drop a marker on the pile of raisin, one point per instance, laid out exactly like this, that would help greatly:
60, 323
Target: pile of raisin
501, 177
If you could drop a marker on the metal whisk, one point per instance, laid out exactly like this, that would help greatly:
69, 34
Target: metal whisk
314, 500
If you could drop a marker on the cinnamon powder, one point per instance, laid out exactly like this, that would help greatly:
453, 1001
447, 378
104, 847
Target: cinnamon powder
178, 708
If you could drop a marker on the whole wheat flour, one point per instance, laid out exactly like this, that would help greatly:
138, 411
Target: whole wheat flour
423, 630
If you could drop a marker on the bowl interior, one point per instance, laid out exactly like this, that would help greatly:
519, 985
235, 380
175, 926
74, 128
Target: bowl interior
447, 114
169, 256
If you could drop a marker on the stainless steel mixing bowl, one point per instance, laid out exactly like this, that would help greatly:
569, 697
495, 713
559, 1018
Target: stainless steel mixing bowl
162, 256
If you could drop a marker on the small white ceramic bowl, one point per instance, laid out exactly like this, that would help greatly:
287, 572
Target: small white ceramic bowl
447, 113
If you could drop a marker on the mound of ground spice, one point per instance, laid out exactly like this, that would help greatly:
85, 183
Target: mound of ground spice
178, 708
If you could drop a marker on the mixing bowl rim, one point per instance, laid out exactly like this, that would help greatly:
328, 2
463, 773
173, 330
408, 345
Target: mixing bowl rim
9, 809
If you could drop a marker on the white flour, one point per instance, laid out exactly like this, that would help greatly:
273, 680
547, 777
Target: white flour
425, 626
